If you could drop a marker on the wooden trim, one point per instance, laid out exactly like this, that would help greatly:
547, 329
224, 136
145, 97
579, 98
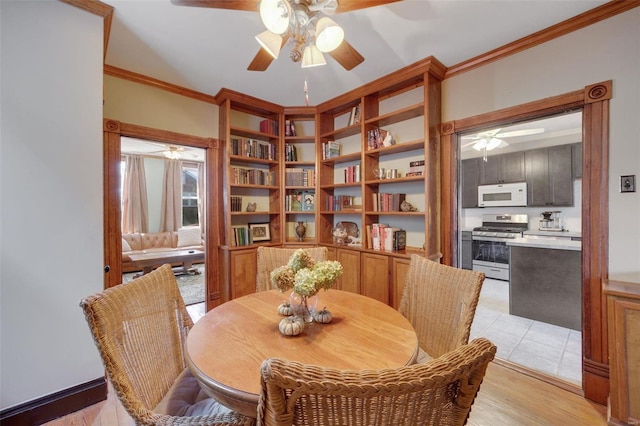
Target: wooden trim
570, 387
575, 23
112, 233
97, 8
56, 405
158, 84
594, 102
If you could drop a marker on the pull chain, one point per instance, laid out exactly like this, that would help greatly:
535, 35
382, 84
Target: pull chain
306, 90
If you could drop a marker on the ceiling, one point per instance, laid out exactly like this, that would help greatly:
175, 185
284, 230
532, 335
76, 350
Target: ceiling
206, 49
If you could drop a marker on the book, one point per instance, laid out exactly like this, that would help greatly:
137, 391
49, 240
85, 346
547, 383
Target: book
331, 149
308, 200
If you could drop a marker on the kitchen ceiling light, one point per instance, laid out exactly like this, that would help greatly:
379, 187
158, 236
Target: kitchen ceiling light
312, 57
270, 42
490, 144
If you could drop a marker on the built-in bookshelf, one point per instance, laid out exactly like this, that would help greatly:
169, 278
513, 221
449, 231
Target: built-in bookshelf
300, 175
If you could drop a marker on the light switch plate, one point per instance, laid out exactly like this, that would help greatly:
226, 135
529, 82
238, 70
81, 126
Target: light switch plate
628, 183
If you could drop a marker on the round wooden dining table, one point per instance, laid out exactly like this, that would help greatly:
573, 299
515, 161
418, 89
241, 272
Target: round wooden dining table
226, 347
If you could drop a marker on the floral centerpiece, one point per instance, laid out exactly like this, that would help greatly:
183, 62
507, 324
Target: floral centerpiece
306, 278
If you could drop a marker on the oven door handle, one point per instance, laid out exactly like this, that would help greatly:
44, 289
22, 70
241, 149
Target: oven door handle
493, 239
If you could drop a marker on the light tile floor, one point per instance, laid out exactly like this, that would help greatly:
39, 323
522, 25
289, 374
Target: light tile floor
547, 348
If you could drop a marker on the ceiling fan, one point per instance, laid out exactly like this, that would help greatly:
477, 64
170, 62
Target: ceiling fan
302, 23
174, 152
492, 139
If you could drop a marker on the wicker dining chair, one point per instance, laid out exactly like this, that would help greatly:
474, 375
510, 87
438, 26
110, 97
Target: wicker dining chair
439, 392
140, 329
440, 302
270, 258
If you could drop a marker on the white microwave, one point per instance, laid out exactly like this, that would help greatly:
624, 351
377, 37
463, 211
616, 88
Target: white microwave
502, 195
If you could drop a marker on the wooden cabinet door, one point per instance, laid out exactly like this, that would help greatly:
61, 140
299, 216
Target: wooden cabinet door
537, 171
576, 160
560, 176
512, 167
399, 269
375, 276
469, 182
243, 271
350, 279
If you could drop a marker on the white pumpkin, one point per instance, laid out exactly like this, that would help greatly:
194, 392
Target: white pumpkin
291, 326
323, 316
285, 309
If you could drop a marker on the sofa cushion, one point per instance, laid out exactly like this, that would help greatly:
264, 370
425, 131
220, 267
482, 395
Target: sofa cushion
186, 398
190, 236
125, 245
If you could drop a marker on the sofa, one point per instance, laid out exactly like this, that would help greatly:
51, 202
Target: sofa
159, 242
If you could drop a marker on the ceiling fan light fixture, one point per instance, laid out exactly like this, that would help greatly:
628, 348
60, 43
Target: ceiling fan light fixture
270, 42
172, 154
275, 15
493, 144
329, 35
312, 57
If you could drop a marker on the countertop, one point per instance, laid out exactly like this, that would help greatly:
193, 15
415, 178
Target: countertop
547, 243
562, 234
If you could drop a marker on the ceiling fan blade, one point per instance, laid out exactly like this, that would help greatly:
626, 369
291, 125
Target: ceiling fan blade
524, 132
261, 61
347, 56
349, 5
249, 5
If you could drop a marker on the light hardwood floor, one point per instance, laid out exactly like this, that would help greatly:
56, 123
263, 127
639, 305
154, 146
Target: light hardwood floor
506, 398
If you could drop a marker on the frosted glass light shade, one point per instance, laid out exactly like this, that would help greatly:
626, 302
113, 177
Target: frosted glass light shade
270, 42
275, 15
312, 57
329, 35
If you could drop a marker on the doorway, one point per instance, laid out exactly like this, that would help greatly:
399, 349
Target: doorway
194, 150
148, 169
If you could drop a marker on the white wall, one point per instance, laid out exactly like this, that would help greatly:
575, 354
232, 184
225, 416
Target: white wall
608, 50
51, 252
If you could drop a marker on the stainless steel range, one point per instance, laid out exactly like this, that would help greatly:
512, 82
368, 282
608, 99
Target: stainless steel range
489, 248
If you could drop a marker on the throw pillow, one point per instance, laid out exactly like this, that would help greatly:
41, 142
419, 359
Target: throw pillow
189, 237
125, 245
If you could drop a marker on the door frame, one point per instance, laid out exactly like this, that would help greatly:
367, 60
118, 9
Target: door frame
113, 131
593, 101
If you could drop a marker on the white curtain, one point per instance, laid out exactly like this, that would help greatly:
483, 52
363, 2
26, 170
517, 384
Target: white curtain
135, 209
171, 208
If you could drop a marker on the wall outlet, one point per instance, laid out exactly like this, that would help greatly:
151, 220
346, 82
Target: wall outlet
628, 183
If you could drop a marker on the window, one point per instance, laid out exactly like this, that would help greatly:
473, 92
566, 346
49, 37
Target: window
190, 215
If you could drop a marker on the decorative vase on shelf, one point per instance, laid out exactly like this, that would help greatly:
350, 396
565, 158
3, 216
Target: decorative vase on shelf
303, 306
301, 230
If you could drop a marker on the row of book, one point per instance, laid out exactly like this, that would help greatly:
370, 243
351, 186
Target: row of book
269, 126
299, 201
416, 168
377, 138
387, 202
236, 203
290, 152
330, 149
380, 236
241, 236
354, 116
253, 148
352, 174
342, 203
299, 177
289, 128
243, 176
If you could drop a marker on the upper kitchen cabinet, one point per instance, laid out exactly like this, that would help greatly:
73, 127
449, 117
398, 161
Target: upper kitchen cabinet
549, 173
469, 184
506, 168
576, 153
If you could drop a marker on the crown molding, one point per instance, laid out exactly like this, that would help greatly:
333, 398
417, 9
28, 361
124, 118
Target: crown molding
97, 8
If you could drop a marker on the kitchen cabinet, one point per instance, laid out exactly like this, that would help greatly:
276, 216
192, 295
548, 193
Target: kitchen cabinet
576, 159
505, 168
466, 257
549, 174
469, 182
623, 311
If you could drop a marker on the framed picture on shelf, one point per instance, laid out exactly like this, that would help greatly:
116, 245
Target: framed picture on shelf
308, 200
259, 232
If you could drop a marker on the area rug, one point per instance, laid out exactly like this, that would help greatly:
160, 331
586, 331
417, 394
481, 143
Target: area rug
191, 285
